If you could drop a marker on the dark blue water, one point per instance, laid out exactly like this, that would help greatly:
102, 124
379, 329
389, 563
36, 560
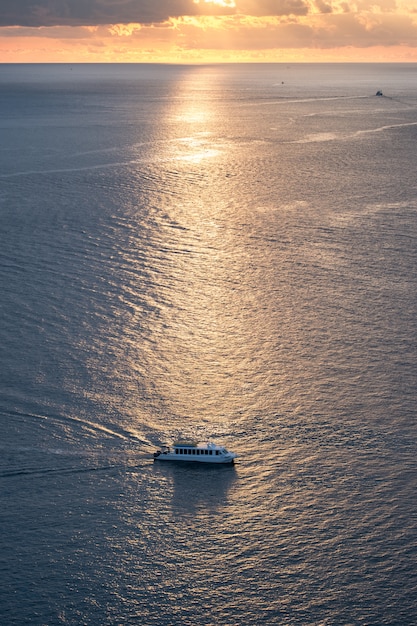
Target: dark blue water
218, 252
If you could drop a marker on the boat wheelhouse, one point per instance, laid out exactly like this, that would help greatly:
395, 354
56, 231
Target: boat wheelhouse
191, 451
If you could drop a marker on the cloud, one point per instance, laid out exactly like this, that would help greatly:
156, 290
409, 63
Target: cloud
184, 30
323, 7
89, 12
38, 13
272, 7
323, 31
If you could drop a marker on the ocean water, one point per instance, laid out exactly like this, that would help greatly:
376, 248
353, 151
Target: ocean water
221, 252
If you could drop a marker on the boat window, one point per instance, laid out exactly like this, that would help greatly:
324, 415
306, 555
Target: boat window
210, 451
176, 451
217, 452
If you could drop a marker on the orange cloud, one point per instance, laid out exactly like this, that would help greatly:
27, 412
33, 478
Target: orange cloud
224, 30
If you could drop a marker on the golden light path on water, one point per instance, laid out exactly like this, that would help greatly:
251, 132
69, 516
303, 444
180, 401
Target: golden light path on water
225, 336
213, 355
202, 337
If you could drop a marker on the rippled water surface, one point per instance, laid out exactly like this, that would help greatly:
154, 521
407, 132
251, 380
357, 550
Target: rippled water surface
224, 253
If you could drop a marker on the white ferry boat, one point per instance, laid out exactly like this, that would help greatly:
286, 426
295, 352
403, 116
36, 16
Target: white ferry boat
186, 451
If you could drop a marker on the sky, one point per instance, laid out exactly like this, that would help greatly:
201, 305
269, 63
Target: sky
207, 31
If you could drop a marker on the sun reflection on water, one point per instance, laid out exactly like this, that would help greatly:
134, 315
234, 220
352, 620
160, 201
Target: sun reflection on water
202, 335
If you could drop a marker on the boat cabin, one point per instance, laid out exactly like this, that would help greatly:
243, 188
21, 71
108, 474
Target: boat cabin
192, 449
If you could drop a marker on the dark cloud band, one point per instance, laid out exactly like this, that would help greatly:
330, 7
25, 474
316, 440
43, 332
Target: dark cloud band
36, 13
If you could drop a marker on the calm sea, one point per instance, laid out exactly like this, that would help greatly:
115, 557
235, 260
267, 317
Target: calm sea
221, 252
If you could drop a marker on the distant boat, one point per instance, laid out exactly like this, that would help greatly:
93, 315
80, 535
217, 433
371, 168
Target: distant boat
379, 93
190, 451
